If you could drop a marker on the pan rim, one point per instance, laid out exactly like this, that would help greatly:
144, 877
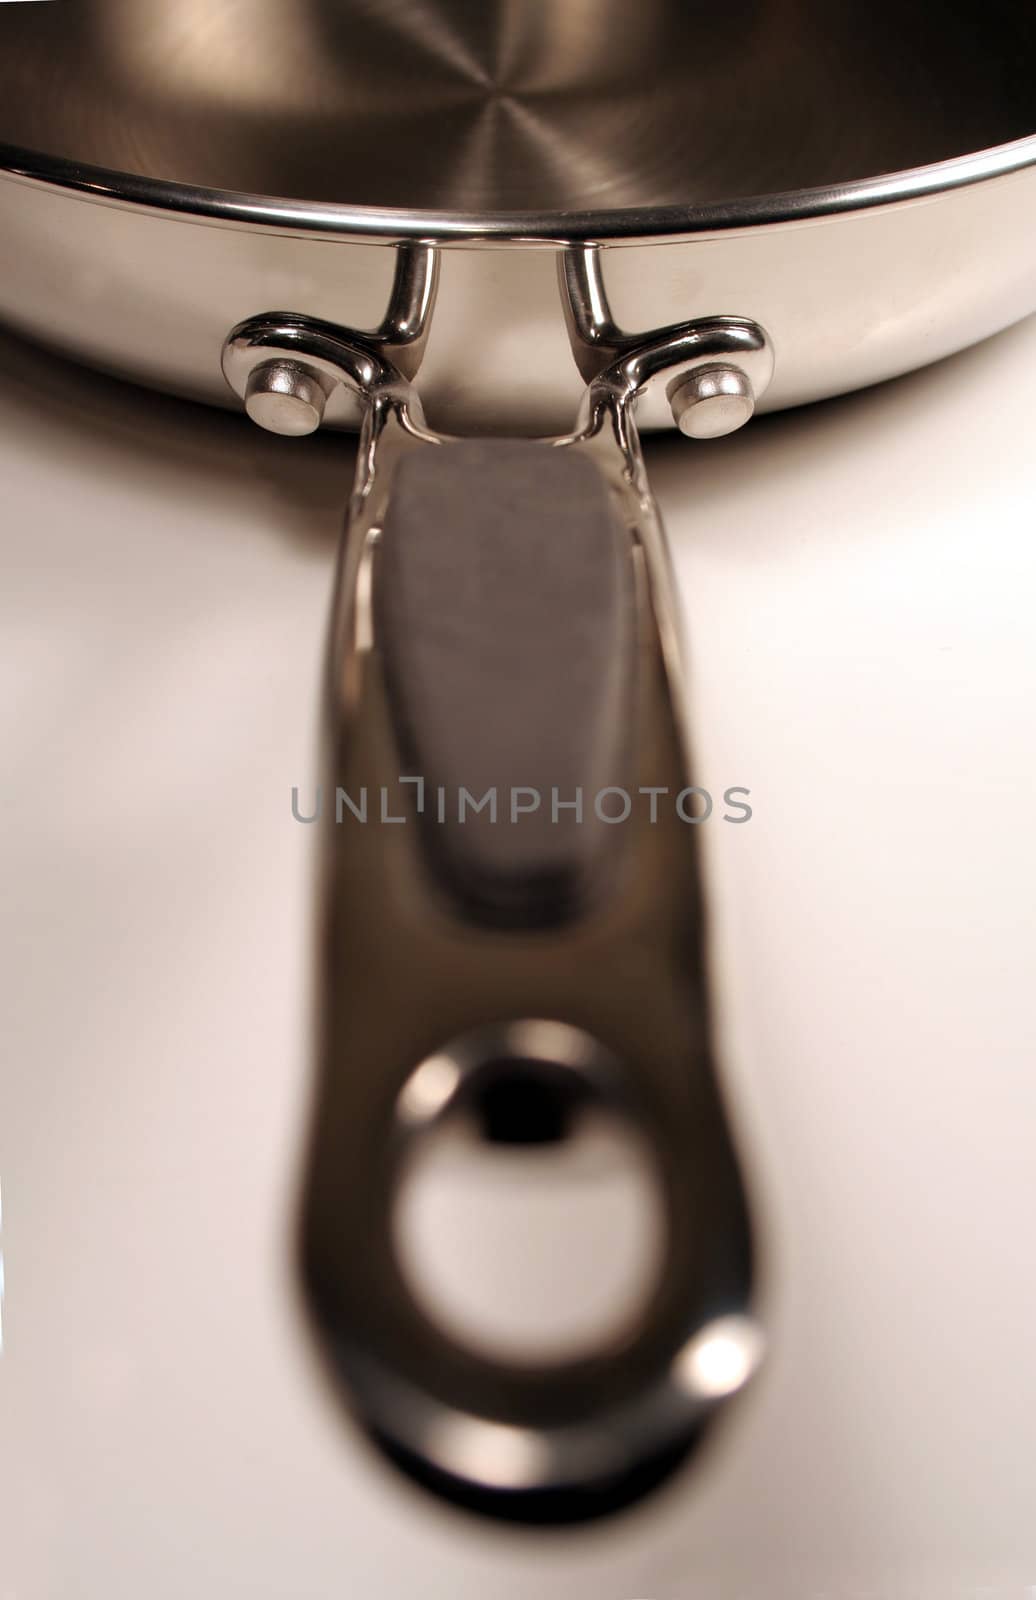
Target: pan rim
643, 223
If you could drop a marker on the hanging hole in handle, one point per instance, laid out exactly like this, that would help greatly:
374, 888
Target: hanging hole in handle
529, 1221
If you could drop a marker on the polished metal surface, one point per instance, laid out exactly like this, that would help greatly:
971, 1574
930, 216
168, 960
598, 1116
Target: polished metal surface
323, 117
423, 1012
847, 299
285, 397
293, 371
636, 362
502, 106
714, 401
854, 282
414, 990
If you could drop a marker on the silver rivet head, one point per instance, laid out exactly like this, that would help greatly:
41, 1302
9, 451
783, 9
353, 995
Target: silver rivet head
712, 401
286, 397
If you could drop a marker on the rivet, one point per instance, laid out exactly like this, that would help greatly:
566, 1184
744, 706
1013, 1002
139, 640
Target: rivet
712, 401
286, 397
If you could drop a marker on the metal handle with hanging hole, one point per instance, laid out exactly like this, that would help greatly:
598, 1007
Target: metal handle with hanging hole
514, 1014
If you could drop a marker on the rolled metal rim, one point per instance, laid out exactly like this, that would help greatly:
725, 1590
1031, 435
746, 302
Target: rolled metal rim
231, 208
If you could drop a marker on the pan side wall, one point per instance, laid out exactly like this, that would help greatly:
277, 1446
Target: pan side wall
847, 300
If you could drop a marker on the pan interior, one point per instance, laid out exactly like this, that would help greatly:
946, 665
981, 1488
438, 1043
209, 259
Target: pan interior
515, 105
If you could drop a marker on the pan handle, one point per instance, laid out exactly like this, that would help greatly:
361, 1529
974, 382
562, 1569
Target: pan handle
514, 1013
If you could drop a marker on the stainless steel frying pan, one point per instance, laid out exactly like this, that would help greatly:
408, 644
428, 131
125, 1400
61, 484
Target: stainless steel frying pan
559, 223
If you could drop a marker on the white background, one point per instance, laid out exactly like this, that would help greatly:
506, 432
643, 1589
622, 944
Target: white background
860, 585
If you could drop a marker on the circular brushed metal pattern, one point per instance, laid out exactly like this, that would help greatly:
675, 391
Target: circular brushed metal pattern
475, 105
